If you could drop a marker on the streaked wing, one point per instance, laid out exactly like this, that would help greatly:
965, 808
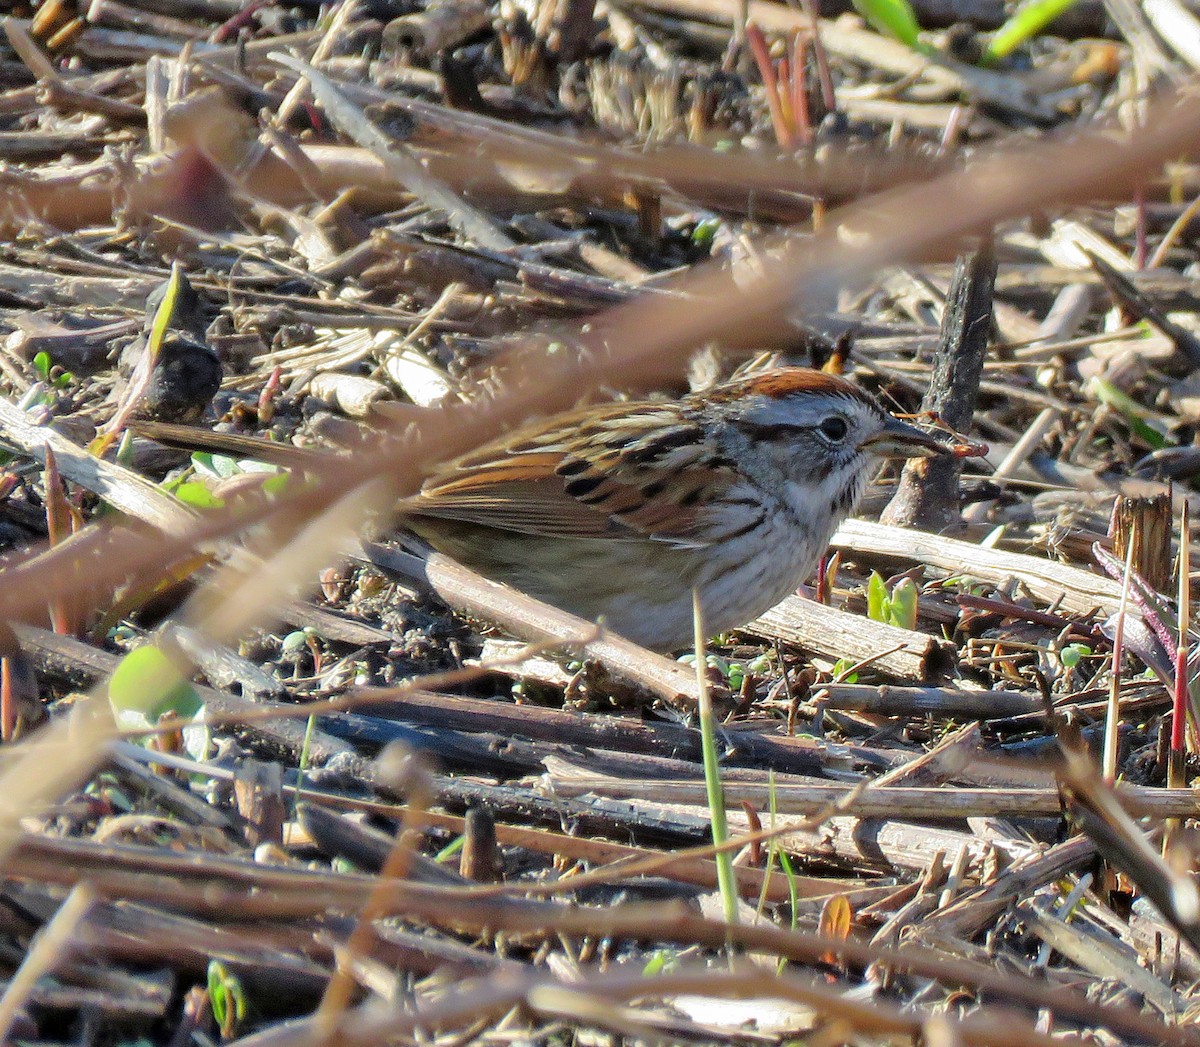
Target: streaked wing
596, 473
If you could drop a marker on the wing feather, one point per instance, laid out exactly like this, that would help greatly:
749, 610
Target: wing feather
599, 473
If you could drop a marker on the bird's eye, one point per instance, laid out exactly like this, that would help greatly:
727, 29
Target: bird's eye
834, 428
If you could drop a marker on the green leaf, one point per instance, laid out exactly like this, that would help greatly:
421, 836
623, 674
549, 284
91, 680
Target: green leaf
903, 611
1022, 25
42, 364
894, 18
253, 465
218, 466
146, 686
294, 641
216, 991
227, 998
839, 669
276, 484
124, 454
655, 965
163, 314
197, 495
1074, 653
705, 231
661, 961
877, 598
1130, 410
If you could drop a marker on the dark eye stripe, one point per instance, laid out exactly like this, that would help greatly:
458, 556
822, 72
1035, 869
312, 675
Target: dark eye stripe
771, 431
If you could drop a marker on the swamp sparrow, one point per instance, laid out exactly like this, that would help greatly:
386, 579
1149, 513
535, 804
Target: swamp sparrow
619, 510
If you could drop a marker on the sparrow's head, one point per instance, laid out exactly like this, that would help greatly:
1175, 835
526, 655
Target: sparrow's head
815, 424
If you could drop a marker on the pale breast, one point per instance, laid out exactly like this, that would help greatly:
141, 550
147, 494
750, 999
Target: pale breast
643, 588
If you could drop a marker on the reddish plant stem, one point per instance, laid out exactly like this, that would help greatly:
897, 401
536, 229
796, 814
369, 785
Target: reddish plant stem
822, 58
1179, 706
766, 69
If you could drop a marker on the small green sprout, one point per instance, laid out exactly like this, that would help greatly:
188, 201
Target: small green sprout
227, 997
451, 849
1073, 654
842, 666
705, 232
146, 686
1022, 25
294, 642
662, 961
894, 18
1131, 411
898, 608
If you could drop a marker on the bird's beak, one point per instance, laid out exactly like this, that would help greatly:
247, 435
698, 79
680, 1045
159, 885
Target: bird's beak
898, 439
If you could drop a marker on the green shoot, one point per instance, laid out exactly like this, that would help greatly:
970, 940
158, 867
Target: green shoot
1022, 25
777, 853
450, 850
142, 374
1133, 413
662, 961
841, 671
1073, 654
227, 998
898, 607
894, 18
726, 881
302, 764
